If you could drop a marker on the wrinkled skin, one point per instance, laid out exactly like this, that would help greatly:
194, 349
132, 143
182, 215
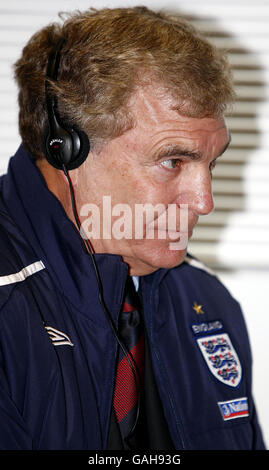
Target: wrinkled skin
166, 158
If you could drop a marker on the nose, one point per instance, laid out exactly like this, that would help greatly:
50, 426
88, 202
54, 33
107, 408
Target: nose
200, 198
204, 203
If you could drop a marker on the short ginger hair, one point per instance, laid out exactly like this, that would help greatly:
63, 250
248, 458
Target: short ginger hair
104, 58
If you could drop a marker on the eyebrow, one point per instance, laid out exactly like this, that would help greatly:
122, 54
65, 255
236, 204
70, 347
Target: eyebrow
172, 150
177, 149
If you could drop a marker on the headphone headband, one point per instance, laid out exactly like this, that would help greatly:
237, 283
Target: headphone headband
54, 61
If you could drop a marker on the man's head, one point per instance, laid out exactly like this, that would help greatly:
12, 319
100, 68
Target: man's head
150, 93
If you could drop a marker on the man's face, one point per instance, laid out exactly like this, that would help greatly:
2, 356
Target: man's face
165, 159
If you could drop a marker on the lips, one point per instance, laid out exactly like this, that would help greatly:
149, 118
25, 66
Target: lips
178, 228
174, 235
170, 234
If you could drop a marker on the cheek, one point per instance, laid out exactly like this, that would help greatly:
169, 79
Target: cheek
113, 179
145, 190
121, 184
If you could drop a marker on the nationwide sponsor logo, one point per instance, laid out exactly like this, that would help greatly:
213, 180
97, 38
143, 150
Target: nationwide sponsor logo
57, 337
232, 409
206, 327
221, 358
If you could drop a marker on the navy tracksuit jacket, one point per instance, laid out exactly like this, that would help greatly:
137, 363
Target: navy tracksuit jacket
57, 350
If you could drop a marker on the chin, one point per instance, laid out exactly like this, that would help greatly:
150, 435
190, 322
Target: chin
156, 257
170, 259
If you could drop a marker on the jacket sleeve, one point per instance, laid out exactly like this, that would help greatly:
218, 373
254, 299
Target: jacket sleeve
257, 439
258, 443
13, 431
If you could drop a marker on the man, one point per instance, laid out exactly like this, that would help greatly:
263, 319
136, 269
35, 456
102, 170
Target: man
120, 110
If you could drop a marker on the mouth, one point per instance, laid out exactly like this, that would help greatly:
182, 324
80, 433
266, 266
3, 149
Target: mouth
179, 234
169, 234
173, 228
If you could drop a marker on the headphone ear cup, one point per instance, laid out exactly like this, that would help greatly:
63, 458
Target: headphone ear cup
64, 146
68, 145
81, 148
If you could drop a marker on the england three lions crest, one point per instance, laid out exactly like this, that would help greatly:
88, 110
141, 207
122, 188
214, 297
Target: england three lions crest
221, 358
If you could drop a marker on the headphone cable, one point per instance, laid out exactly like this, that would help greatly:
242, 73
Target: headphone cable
128, 355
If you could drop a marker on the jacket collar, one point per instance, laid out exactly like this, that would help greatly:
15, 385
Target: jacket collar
55, 239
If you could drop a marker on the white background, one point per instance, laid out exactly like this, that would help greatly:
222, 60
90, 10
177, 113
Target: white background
234, 240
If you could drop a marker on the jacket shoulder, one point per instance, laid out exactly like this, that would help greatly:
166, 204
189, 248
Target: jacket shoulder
17, 259
198, 273
197, 264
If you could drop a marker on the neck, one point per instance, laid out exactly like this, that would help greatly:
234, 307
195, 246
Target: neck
57, 183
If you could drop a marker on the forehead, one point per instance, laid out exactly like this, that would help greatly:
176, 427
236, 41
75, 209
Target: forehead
158, 121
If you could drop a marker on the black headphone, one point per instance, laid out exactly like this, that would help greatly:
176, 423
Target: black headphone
62, 144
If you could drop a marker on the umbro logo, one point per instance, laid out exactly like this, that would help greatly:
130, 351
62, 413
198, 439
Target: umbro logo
57, 337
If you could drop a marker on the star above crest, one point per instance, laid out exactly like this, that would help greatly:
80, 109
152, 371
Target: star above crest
198, 308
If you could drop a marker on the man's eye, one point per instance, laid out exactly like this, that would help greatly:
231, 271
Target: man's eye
171, 163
